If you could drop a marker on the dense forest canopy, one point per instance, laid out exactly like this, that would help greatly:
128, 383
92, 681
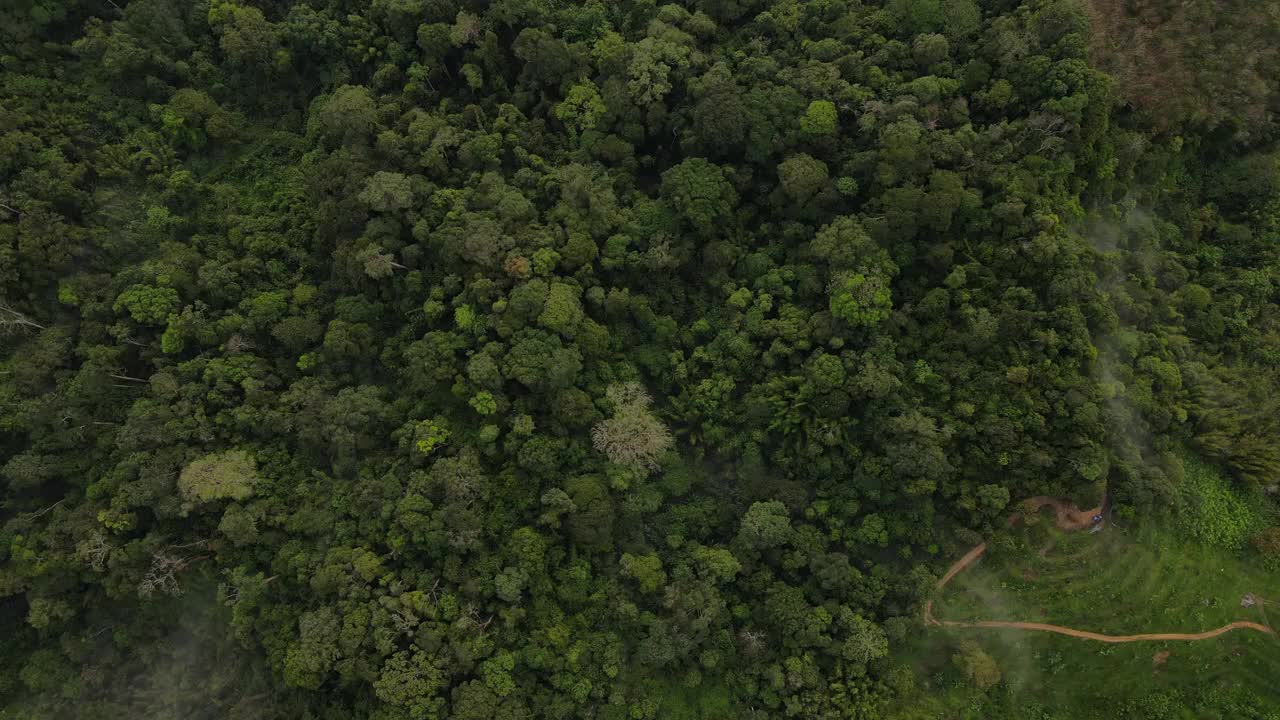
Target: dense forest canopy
445, 359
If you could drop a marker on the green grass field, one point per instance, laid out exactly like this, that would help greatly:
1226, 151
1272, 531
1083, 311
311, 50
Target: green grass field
1142, 579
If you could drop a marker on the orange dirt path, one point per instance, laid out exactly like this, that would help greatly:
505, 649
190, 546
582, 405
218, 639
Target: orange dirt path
1069, 518
1087, 635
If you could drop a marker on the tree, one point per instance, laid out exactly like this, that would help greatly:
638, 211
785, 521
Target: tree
860, 300
720, 116
993, 499
765, 525
428, 435
238, 525
872, 531
819, 120
718, 563
162, 576
917, 16
387, 191
310, 659
247, 38
538, 360
411, 680
378, 264
510, 584
652, 62
916, 451
348, 115
147, 304
228, 475
582, 107
646, 570
483, 403
191, 118
562, 312
977, 665
802, 176
697, 189
547, 58
726, 10
633, 436
591, 517
864, 641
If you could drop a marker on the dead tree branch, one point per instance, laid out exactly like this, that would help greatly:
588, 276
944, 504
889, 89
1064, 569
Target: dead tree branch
126, 377
10, 318
38, 513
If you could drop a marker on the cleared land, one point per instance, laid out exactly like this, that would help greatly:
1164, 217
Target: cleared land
1152, 579
1069, 519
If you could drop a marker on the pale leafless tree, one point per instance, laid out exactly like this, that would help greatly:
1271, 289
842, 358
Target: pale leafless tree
378, 264
462, 538
633, 437
471, 618
163, 575
660, 256
752, 641
238, 343
466, 29
95, 551
628, 393
404, 622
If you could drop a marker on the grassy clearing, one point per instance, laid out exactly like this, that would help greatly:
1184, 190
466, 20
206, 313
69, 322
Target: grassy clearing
1151, 578
1212, 510
1116, 582
707, 702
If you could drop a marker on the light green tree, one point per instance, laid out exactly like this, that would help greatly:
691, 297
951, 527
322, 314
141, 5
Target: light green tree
819, 120
147, 304
765, 525
861, 300
228, 475
387, 191
581, 107
562, 311
646, 570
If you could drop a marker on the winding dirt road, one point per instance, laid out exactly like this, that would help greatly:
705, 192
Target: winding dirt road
1068, 518
1087, 635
